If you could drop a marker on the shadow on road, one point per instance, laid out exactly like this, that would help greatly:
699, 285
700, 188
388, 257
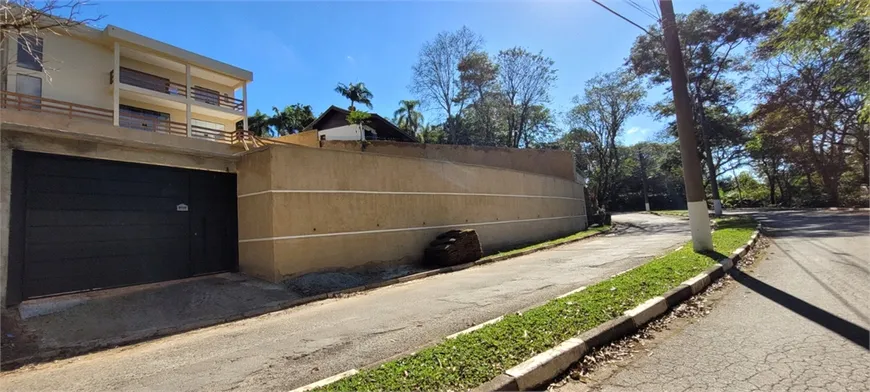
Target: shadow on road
851, 331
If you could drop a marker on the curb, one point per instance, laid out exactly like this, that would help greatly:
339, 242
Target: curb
549, 364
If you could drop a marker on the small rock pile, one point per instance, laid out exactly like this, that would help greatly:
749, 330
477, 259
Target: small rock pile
452, 248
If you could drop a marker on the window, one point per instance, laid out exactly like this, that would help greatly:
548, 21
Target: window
30, 52
138, 118
206, 129
29, 85
209, 96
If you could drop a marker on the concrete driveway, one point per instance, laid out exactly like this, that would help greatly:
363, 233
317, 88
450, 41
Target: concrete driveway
798, 321
287, 349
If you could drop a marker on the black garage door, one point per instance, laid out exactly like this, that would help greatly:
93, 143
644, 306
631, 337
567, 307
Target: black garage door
82, 224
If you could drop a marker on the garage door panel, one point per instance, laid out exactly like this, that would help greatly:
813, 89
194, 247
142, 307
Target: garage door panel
82, 224
45, 201
68, 167
36, 218
96, 186
36, 253
167, 265
143, 233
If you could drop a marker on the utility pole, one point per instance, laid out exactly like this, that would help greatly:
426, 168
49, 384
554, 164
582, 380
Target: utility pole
699, 220
642, 160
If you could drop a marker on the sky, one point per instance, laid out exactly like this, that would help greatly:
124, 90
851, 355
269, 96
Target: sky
299, 51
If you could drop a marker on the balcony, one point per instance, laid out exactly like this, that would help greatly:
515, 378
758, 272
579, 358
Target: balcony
158, 84
22, 102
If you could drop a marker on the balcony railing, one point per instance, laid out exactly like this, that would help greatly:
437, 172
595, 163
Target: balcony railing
23, 102
147, 81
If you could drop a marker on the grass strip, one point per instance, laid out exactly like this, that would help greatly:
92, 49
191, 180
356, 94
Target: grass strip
558, 241
474, 358
679, 213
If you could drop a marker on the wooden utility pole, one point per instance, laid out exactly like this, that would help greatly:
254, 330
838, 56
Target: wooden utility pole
699, 220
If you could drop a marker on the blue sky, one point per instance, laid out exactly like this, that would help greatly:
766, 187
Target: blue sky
299, 51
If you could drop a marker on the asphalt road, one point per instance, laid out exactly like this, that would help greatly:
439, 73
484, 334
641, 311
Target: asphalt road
797, 321
288, 349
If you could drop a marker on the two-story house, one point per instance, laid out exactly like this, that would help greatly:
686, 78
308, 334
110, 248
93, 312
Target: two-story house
118, 161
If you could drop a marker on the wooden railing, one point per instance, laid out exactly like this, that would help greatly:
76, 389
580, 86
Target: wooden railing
163, 85
23, 102
150, 82
218, 99
32, 103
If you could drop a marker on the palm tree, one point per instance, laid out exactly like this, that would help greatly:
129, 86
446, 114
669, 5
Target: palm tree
355, 92
407, 116
258, 124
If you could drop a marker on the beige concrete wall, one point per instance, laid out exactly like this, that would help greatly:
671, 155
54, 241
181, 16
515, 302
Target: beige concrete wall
75, 71
331, 209
307, 138
5, 198
549, 162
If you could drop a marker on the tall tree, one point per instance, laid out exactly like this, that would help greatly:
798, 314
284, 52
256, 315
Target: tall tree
597, 120
259, 124
355, 92
435, 75
839, 30
407, 116
478, 77
292, 119
712, 45
525, 79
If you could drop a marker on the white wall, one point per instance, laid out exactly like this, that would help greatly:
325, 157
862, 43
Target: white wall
347, 132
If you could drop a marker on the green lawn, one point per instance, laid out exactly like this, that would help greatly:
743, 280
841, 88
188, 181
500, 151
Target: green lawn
557, 241
680, 213
474, 358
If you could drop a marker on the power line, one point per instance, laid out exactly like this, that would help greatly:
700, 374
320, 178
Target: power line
642, 9
623, 18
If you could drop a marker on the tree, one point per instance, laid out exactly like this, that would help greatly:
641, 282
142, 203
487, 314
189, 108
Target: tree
597, 120
813, 100
435, 75
33, 19
431, 133
711, 45
292, 119
259, 124
358, 117
478, 77
407, 116
839, 28
525, 79
355, 92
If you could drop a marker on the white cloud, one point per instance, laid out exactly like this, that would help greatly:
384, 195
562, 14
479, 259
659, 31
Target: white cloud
350, 59
633, 130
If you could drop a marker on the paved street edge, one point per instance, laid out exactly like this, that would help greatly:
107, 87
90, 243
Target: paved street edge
142, 336
551, 363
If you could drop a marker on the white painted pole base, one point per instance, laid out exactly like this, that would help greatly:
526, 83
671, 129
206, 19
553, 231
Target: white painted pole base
647, 207
717, 207
699, 222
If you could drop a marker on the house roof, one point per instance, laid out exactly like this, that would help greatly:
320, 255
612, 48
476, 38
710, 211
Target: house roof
384, 128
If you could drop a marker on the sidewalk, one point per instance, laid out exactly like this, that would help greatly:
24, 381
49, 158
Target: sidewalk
797, 321
287, 349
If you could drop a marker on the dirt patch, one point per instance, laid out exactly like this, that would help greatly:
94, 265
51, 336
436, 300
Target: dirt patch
325, 282
16, 341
